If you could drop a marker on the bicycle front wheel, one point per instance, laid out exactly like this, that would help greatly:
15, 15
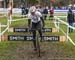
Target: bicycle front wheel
38, 46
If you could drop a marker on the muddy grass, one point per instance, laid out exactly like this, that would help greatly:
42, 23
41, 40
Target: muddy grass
49, 51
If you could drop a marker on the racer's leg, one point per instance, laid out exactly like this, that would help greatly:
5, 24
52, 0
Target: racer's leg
40, 32
34, 35
34, 38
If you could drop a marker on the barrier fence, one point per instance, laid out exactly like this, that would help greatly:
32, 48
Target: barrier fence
8, 25
58, 21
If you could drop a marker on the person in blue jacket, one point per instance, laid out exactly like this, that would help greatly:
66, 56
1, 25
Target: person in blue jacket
70, 18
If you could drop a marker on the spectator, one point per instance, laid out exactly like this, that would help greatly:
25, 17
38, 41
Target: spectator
51, 13
23, 9
10, 9
26, 11
70, 19
45, 12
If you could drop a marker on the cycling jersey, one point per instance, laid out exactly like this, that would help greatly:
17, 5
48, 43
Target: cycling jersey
35, 18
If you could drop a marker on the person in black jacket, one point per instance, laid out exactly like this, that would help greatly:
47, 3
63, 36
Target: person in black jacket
70, 19
45, 12
23, 10
26, 10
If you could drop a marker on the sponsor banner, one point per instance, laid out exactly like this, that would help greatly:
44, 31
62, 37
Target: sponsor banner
21, 29
30, 38
27, 30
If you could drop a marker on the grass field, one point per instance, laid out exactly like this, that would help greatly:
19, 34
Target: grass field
23, 50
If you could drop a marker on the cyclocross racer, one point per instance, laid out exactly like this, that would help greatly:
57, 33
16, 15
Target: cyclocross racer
35, 22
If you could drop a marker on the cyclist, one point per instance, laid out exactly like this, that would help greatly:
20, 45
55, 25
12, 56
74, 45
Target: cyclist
35, 21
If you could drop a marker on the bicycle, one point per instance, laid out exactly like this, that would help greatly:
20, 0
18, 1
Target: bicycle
37, 43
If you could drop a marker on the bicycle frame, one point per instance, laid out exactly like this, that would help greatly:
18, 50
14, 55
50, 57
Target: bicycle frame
37, 43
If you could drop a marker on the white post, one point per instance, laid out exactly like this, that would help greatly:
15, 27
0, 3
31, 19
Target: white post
67, 32
0, 32
58, 26
10, 19
57, 22
8, 24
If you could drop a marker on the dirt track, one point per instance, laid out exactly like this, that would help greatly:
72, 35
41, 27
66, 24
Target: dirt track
49, 51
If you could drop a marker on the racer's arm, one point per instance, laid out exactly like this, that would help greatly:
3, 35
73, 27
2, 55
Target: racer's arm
42, 21
29, 20
40, 15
